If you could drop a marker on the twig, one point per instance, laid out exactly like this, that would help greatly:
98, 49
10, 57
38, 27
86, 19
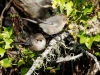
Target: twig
69, 58
6, 7
39, 60
95, 59
33, 21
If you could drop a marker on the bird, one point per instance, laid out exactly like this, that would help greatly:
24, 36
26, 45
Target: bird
38, 42
51, 25
54, 24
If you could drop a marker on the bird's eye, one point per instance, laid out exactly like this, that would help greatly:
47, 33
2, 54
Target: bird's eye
40, 40
37, 40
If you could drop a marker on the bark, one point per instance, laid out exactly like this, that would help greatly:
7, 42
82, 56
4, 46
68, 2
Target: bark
33, 8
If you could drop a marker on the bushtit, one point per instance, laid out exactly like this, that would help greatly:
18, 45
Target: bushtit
38, 42
52, 25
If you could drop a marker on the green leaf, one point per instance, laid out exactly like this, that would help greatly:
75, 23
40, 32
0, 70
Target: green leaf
2, 42
83, 21
96, 38
28, 53
20, 62
58, 67
69, 7
2, 51
1, 36
87, 9
61, 4
98, 13
7, 62
8, 29
54, 4
83, 39
94, 18
24, 70
89, 42
7, 32
7, 43
97, 54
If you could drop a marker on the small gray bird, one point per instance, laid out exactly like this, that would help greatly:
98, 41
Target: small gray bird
51, 25
54, 24
38, 42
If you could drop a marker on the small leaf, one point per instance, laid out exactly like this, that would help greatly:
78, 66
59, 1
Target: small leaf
89, 42
83, 21
87, 9
7, 62
2, 51
61, 5
8, 29
69, 7
97, 54
1, 36
83, 39
54, 4
20, 62
53, 71
24, 70
96, 38
58, 67
94, 18
5, 34
28, 53
7, 43
99, 13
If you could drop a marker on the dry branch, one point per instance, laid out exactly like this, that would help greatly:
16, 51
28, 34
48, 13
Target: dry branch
69, 58
94, 58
